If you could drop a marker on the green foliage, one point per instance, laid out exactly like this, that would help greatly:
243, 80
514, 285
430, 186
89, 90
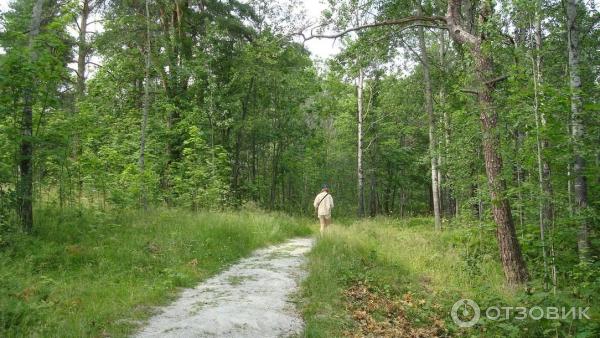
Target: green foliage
241, 116
204, 172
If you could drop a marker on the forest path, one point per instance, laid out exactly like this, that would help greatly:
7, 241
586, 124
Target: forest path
250, 299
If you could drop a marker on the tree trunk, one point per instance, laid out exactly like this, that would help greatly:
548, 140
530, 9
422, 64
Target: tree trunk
373, 195
452, 204
546, 207
510, 250
25, 187
82, 49
435, 188
82, 53
515, 270
235, 181
359, 156
519, 138
577, 127
373, 147
146, 108
387, 191
274, 177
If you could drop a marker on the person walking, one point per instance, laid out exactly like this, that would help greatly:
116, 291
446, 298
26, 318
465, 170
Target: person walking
323, 204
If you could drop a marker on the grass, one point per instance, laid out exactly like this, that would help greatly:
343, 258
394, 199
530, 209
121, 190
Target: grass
97, 274
400, 278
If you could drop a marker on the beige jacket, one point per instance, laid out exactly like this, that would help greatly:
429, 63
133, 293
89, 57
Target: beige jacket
326, 204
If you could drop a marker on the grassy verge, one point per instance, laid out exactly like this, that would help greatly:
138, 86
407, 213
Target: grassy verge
97, 274
399, 278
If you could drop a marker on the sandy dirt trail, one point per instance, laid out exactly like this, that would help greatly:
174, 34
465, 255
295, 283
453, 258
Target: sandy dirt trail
250, 299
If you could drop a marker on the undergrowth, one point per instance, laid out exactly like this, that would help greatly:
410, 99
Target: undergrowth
400, 278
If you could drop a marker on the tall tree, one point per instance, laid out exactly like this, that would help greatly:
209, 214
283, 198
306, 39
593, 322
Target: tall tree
83, 47
546, 207
510, 250
359, 146
577, 125
83, 53
25, 191
428, 95
145, 110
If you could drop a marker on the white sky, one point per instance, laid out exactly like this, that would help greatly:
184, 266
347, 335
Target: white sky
321, 48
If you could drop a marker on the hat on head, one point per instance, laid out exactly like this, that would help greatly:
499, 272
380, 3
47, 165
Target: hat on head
324, 186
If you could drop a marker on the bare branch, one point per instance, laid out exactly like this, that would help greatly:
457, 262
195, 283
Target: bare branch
493, 82
95, 21
108, 71
381, 118
410, 21
370, 143
77, 24
73, 70
415, 54
93, 64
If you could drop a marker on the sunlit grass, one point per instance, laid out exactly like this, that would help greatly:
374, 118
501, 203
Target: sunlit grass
394, 257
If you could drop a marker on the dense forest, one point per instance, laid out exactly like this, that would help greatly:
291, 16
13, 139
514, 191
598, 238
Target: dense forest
483, 114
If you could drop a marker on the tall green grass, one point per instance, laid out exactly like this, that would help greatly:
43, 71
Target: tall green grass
402, 260
90, 273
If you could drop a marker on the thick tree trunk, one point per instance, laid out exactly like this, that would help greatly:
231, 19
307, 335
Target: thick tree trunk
510, 251
515, 270
577, 127
359, 155
435, 187
25, 187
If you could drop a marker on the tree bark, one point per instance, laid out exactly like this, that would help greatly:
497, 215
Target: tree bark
235, 181
435, 188
452, 203
515, 270
510, 250
25, 187
577, 127
374, 200
359, 155
546, 207
146, 108
82, 49
82, 53
519, 140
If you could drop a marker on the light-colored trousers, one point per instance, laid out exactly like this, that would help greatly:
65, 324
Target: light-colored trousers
325, 220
